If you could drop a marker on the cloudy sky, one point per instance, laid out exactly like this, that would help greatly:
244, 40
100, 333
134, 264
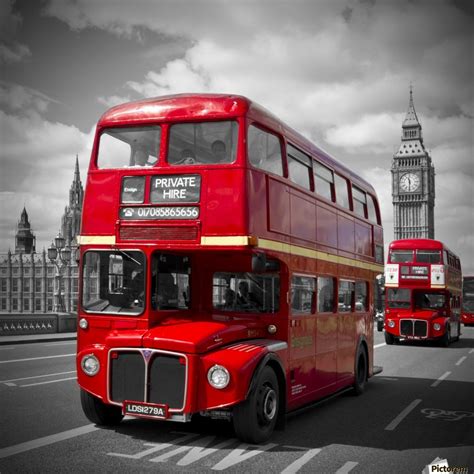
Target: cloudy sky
338, 71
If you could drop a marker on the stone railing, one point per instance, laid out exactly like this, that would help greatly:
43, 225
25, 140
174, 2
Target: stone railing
50, 323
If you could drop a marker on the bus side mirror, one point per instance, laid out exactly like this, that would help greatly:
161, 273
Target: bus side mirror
259, 261
314, 302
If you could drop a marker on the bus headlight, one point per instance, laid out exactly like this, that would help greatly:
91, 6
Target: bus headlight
391, 323
90, 364
83, 324
218, 376
436, 326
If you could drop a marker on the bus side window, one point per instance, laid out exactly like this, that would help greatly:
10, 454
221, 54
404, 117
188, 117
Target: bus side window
361, 296
302, 290
264, 150
325, 294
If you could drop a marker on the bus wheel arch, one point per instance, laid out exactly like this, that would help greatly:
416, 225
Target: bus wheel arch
263, 410
98, 412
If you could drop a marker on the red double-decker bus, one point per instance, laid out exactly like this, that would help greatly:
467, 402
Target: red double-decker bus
227, 267
422, 292
467, 313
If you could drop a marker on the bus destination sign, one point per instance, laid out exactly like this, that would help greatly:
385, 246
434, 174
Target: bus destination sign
175, 188
161, 212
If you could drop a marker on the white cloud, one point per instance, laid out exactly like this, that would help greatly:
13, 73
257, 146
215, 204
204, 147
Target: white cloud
37, 163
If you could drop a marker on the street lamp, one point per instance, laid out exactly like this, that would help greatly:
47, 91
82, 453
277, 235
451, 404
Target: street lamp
60, 255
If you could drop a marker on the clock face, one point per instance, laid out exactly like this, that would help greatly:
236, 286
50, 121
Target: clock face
409, 182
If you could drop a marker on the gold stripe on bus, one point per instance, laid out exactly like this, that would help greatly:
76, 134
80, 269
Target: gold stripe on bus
96, 239
225, 240
327, 257
289, 249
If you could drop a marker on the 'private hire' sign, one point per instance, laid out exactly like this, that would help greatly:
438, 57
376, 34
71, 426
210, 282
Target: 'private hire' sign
175, 188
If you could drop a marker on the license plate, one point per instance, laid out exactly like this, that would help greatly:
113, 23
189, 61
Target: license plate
147, 410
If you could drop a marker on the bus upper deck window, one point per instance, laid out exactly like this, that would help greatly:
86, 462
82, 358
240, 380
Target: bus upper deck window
203, 143
401, 256
428, 256
264, 150
129, 147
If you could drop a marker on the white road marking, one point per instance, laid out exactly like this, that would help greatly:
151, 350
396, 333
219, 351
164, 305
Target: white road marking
10, 384
47, 440
300, 462
48, 381
471, 351
197, 452
396, 421
36, 358
67, 343
155, 447
380, 345
461, 360
38, 376
7, 348
347, 467
437, 382
242, 453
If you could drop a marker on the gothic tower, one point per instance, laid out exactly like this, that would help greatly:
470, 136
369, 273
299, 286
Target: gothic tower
413, 184
71, 219
25, 240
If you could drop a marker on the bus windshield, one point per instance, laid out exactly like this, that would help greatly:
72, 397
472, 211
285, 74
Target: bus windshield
113, 282
401, 256
246, 292
202, 143
129, 147
398, 298
429, 300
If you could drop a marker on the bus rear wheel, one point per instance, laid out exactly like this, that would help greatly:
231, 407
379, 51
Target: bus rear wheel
389, 338
98, 412
255, 418
360, 371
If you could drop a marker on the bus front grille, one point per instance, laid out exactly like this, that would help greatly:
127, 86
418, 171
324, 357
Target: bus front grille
146, 375
406, 327
413, 327
421, 329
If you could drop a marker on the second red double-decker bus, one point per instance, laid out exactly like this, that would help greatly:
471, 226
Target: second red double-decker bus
227, 264
422, 292
467, 313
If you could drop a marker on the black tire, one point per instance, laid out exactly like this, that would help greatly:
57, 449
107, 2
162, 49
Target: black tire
361, 371
389, 338
255, 418
98, 412
446, 339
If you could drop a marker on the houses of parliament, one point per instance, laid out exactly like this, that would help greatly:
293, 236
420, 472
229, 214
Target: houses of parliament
28, 279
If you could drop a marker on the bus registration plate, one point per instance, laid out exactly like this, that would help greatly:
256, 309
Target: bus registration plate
147, 410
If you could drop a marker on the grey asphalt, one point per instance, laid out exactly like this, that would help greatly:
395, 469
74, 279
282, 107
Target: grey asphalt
30, 338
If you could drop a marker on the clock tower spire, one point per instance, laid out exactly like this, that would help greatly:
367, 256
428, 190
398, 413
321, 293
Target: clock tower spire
413, 191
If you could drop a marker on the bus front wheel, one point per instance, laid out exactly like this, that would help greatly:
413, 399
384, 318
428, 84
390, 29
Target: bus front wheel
255, 418
98, 412
446, 339
389, 338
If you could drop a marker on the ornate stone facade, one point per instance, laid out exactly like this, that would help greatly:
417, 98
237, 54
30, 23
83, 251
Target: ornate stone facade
28, 280
413, 182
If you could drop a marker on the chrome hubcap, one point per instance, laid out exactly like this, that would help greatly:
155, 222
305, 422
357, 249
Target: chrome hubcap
269, 404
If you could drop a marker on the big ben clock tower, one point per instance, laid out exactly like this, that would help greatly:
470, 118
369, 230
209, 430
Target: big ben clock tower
413, 191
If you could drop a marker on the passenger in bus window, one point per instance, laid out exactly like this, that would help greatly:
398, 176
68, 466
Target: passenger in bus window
219, 151
140, 157
229, 298
244, 297
187, 157
167, 291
